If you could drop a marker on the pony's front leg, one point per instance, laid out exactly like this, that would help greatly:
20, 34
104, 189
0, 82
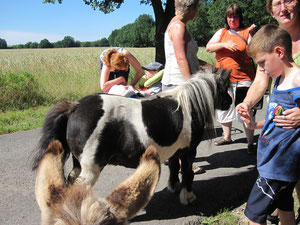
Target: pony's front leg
88, 175
174, 166
75, 171
186, 194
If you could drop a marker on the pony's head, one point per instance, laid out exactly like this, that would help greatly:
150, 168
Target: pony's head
222, 98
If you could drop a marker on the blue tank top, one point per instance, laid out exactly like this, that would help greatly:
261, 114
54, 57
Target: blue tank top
278, 155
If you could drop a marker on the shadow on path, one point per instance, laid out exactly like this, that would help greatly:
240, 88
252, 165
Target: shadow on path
214, 194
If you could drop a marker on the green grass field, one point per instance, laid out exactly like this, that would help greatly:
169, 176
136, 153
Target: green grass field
70, 72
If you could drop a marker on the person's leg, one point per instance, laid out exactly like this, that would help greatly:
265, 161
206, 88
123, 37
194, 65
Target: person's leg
251, 148
226, 139
287, 217
249, 135
226, 127
285, 203
267, 195
225, 118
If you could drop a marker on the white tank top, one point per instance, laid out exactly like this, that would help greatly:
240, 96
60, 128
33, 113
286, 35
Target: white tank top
172, 74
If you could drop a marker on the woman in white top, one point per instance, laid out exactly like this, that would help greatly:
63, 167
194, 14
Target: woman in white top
180, 48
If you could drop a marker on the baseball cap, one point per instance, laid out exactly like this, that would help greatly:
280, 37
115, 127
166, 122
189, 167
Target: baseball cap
153, 66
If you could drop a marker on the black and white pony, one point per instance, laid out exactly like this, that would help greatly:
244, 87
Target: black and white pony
102, 129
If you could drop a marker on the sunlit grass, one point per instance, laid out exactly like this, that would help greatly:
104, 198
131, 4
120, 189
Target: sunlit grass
11, 121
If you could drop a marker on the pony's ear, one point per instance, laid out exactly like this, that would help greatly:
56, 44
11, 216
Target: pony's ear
137, 190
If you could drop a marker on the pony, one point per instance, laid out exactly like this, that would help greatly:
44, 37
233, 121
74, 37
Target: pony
102, 129
61, 204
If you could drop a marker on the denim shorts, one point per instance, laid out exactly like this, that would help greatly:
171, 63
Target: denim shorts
267, 195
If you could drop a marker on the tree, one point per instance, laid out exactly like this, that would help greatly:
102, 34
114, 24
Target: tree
27, 45
68, 42
143, 28
103, 42
164, 11
45, 44
200, 28
34, 45
86, 44
3, 43
58, 44
137, 34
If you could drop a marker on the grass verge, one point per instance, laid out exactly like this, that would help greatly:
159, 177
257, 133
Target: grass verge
11, 121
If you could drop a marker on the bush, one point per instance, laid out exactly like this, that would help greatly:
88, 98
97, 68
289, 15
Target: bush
19, 91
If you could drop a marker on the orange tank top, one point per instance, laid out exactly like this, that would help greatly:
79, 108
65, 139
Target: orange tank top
239, 62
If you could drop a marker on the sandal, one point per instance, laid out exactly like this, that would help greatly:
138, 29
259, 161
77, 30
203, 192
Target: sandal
198, 170
222, 141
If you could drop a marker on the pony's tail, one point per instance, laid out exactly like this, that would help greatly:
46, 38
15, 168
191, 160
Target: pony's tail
54, 128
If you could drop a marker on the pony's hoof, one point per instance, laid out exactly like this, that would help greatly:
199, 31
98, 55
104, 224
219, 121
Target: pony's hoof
176, 188
187, 198
73, 175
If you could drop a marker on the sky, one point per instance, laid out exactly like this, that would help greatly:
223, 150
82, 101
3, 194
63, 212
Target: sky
22, 21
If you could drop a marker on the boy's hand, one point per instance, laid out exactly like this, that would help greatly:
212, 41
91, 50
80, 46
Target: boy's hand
290, 119
251, 125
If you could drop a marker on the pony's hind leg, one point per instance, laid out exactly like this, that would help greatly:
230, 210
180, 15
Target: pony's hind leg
75, 171
186, 194
174, 166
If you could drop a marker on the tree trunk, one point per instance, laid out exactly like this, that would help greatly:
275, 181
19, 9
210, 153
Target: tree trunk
162, 19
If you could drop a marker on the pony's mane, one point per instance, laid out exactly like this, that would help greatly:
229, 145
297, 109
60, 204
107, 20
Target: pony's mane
197, 94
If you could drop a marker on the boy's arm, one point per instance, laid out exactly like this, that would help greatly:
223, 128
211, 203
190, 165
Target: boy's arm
257, 88
253, 125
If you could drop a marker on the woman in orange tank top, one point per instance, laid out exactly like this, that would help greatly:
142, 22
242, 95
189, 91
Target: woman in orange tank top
230, 45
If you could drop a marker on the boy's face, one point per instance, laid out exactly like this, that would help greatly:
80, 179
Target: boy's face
150, 73
269, 63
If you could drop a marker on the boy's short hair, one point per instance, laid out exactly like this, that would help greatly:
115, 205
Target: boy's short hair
267, 38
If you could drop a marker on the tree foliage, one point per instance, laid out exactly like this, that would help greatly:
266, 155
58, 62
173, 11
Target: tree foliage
45, 44
3, 43
141, 33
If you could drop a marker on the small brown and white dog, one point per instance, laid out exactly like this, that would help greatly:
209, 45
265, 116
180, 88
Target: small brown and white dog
61, 204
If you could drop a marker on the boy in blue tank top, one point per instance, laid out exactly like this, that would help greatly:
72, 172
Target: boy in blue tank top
278, 156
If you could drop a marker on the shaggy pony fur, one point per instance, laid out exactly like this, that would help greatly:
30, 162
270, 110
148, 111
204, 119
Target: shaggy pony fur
73, 205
